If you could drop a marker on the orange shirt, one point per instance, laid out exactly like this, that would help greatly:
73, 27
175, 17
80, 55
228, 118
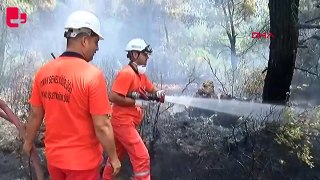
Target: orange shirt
128, 81
70, 90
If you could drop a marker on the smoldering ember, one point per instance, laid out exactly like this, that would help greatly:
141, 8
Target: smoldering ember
240, 81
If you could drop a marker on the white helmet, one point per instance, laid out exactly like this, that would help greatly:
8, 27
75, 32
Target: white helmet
80, 20
138, 44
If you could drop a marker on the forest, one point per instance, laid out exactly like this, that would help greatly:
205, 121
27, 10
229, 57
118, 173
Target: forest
256, 52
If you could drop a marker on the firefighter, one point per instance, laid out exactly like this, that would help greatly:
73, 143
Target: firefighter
127, 111
70, 94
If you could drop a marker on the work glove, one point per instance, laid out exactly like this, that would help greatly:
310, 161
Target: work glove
134, 95
140, 94
160, 96
141, 103
160, 93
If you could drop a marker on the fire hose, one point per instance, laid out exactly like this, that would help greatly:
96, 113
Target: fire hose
141, 94
144, 95
34, 157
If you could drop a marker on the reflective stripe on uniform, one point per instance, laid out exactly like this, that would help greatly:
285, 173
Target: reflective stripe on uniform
141, 173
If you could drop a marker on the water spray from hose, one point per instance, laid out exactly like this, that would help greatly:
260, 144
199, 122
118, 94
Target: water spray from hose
235, 107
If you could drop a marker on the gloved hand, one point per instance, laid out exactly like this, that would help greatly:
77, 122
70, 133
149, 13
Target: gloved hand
140, 94
134, 95
141, 103
160, 93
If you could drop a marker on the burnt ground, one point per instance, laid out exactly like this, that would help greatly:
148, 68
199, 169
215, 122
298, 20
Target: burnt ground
202, 145
196, 145
9, 166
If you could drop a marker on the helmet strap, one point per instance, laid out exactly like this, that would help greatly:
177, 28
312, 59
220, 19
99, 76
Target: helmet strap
134, 68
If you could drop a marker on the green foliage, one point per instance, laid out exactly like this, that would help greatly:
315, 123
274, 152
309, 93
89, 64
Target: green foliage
24, 5
296, 133
249, 7
29, 6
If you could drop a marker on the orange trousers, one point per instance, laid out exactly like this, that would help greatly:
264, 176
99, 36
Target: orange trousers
65, 174
128, 140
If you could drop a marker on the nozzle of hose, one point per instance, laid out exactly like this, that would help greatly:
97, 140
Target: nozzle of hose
143, 95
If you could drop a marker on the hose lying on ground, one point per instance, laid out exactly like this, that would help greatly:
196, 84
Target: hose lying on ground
11, 117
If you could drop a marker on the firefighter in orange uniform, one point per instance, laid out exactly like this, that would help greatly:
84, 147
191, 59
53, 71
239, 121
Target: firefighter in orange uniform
132, 83
70, 95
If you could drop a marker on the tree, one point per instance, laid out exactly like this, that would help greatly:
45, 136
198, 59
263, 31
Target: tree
283, 49
233, 19
308, 62
3, 35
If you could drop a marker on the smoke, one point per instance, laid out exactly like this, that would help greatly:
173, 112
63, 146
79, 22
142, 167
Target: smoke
47, 29
44, 30
180, 41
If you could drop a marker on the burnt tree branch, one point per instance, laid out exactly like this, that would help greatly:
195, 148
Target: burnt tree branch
312, 37
306, 71
308, 26
302, 46
215, 75
312, 20
191, 80
252, 42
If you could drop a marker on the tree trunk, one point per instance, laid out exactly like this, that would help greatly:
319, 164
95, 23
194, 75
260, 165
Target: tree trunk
283, 49
234, 61
228, 11
3, 38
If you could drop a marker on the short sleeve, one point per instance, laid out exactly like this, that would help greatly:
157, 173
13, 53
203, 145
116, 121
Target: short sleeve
149, 85
122, 83
35, 99
98, 95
